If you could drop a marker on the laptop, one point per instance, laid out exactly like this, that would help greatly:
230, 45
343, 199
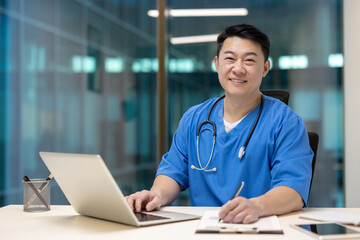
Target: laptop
92, 191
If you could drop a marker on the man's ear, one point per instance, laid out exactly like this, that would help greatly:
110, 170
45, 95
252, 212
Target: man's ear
266, 68
216, 63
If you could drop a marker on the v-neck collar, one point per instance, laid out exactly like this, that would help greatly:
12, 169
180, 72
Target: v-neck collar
219, 121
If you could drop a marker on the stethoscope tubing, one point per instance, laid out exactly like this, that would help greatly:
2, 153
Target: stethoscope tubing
255, 123
208, 121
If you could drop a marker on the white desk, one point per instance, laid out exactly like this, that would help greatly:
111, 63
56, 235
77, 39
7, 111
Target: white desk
62, 222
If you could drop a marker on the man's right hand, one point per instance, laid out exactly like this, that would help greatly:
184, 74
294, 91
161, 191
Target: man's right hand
144, 200
163, 192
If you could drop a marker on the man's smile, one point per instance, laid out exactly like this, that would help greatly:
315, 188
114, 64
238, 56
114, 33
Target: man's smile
237, 80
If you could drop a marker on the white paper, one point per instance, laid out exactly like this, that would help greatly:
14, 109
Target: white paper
333, 216
210, 222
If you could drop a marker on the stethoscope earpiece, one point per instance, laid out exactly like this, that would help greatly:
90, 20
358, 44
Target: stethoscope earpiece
204, 169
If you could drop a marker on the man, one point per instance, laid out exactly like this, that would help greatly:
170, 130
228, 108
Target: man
276, 163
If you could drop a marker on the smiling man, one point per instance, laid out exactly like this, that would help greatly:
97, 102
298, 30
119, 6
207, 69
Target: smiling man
240, 137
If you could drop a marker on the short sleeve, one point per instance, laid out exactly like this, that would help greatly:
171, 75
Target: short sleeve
174, 163
292, 158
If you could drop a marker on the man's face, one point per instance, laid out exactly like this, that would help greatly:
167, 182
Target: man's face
241, 67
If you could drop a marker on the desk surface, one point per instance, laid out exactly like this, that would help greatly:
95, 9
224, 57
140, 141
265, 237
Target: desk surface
62, 222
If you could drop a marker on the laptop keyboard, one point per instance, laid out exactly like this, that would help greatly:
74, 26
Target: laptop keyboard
143, 217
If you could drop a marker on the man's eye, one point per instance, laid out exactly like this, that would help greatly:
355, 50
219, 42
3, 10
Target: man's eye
250, 60
229, 58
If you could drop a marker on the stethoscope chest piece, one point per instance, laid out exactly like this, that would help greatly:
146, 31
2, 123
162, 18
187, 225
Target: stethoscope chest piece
241, 152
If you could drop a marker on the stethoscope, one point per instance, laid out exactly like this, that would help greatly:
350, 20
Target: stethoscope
199, 131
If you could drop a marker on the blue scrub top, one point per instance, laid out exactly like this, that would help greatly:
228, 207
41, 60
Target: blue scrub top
278, 154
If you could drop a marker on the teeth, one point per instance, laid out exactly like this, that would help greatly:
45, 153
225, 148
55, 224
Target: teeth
237, 81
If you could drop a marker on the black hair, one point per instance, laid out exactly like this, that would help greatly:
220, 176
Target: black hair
245, 31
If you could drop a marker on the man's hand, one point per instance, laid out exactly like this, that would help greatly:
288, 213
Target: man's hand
163, 192
144, 200
278, 200
239, 210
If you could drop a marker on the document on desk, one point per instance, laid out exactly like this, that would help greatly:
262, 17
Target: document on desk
333, 216
210, 224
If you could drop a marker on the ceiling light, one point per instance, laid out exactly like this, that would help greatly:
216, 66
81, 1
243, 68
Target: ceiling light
204, 12
194, 39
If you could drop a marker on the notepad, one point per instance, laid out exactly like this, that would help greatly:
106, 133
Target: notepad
210, 224
333, 216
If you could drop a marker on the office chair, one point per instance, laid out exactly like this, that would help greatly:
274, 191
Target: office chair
284, 96
314, 142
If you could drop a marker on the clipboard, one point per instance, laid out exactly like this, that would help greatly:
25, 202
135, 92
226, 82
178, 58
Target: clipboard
209, 223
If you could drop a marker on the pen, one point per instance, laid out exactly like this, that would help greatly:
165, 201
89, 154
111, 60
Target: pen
26, 179
237, 192
39, 190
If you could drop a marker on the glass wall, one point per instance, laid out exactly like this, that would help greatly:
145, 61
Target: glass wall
72, 80
80, 76
306, 56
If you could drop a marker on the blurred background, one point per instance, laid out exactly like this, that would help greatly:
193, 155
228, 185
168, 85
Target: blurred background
80, 76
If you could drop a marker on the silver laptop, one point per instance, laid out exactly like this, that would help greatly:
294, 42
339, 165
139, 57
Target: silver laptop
92, 191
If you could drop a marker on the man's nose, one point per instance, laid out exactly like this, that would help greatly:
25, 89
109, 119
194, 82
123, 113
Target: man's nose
239, 67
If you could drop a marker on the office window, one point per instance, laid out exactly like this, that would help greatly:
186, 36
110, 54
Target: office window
80, 76
68, 84
306, 57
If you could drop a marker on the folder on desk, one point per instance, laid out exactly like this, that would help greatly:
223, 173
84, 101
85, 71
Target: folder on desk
333, 216
210, 224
